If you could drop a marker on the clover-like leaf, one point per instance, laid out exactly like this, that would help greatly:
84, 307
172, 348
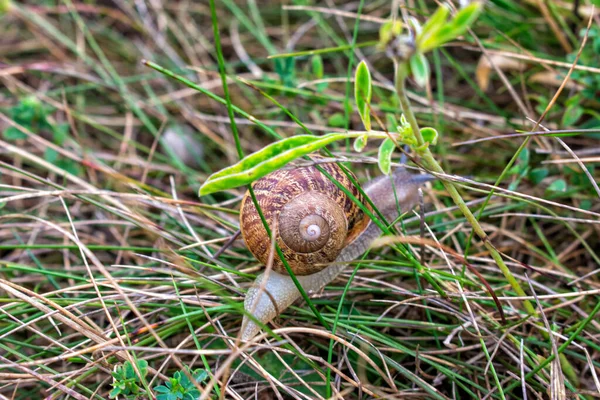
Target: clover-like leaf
129, 371
363, 92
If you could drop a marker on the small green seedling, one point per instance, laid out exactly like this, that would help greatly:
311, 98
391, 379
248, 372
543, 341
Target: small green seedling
180, 387
126, 382
34, 116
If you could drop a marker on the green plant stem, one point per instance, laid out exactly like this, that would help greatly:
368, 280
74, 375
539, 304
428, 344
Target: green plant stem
431, 164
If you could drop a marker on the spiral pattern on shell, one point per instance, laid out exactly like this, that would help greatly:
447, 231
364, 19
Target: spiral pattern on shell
312, 218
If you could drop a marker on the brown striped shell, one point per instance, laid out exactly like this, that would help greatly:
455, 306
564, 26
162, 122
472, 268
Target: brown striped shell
312, 218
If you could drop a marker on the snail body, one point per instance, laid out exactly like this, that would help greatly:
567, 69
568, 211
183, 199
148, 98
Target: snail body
326, 227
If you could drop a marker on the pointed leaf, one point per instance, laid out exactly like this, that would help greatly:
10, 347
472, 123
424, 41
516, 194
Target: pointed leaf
457, 26
434, 23
267, 160
362, 93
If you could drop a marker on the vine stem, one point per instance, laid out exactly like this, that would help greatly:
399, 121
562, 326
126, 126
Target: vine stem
431, 164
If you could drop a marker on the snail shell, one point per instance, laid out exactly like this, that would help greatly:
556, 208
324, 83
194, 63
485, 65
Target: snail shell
311, 218
272, 293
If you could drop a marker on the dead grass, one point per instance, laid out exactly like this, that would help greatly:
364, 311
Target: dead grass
107, 255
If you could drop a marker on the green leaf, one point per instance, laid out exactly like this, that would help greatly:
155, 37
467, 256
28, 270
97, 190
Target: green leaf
360, 143
434, 23
129, 371
574, 100
558, 185
430, 135
391, 124
403, 121
388, 30
285, 68
71, 166
267, 160
60, 133
465, 17
114, 393
572, 114
318, 72
317, 66
5, 6
419, 67
458, 25
337, 120
161, 389
200, 375
385, 155
415, 25
585, 205
143, 367
523, 158
515, 184
362, 93
538, 174
50, 155
12, 133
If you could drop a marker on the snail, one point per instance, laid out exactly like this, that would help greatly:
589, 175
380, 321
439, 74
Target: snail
314, 223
